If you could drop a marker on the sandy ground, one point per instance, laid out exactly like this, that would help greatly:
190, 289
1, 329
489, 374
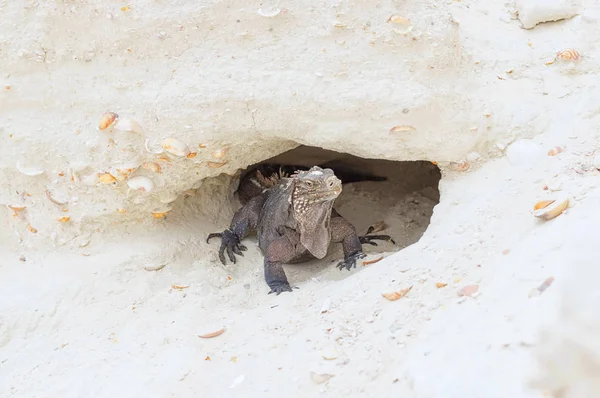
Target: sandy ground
102, 325
81, 314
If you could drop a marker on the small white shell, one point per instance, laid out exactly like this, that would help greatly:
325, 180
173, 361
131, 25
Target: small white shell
153, 151
125, 124
168, 197
175, 147
141, 183
30, 171
268, 14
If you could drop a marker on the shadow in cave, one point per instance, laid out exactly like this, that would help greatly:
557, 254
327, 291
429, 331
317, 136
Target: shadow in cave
399, 198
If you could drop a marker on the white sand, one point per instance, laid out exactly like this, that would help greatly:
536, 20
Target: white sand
82, 317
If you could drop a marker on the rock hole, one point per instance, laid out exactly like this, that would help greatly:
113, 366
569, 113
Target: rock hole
404, 202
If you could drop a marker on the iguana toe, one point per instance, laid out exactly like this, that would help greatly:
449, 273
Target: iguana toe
368, 239
280, 287
350, 261
230, 243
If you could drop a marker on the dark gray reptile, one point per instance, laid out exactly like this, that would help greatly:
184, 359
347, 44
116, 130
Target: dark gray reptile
265, 175
295, 222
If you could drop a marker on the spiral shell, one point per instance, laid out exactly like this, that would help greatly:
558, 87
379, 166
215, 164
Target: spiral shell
106, 120
175, 147
568, 55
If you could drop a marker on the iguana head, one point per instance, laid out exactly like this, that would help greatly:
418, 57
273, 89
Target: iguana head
312, 201
315, 185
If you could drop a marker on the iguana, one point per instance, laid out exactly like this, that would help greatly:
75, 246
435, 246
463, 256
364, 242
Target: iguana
266, 175
295, 222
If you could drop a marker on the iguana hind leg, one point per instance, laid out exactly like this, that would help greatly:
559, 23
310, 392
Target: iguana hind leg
343, 232
279, 251
244, 221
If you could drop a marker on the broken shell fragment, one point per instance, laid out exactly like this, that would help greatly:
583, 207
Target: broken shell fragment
16, 209
107, 119
179, 287
268, 14
31, 229
440, 285
460, 166
220, 153
150, 149
369, 262
159, 214
542, 204
320, 378
125, 124
175, 147
122, 211
106, 178
63, 219
555, 151
152, 166
568, 55
468, 290
30, 171
215, 165
404, 24
191, 155
401, 129
141, 183
212, 334
552, 210
393, 296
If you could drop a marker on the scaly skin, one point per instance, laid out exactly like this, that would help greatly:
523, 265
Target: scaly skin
295, 222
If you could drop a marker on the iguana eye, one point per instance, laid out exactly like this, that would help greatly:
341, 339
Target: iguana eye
309, 184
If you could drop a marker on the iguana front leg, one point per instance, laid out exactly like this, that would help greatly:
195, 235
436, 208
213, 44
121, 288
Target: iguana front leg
344, 232
244, 221
279, 251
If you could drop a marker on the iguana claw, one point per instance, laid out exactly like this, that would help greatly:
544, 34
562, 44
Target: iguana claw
350, 261
367, 239
280, 287
229, 242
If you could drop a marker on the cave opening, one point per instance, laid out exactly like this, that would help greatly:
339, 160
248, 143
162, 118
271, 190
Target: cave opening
396, 198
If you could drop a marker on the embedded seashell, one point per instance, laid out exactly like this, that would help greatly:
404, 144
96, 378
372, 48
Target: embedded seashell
220, 154
125, 124
107, 119
212, 334
31, 229
568, 55
215, 165
461, 166
152, 166
30, 171
159, 214
268, 14
201, 146
163, 158
150, 149
542, 204
191, 155
54, 200
168, 197
16, 209
393, 296
106, 178
175, 147
122, 211
404, 24
63, 219
555, 151
141, 183
401, 129
552, 210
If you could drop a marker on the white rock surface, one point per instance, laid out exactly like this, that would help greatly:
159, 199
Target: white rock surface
534, 12
79, 314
